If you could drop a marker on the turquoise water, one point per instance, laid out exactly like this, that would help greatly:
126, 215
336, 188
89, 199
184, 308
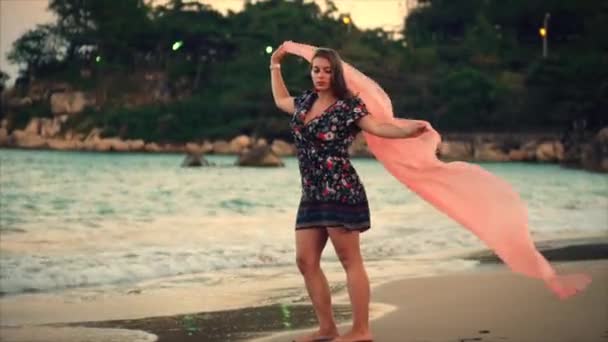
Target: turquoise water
75, 220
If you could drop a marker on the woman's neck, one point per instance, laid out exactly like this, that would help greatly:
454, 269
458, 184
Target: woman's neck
326, 95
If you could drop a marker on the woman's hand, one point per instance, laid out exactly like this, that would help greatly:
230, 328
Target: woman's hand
278, 54
416, 129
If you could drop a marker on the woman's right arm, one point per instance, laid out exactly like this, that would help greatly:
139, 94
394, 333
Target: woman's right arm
282, 99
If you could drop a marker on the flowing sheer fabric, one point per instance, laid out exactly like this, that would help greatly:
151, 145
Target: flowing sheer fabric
478, 200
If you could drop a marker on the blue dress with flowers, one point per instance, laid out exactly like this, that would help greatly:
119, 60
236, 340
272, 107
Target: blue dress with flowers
332, 194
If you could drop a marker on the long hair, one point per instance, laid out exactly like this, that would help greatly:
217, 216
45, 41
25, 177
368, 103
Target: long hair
338, 83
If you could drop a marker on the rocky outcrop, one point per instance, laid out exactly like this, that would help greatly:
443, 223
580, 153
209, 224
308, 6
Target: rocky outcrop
456, 150
25, 139
4, 139
594, 155
282, 148
550, 151
261, 156
589, 152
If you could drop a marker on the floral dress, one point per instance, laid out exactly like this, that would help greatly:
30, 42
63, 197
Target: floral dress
332, 194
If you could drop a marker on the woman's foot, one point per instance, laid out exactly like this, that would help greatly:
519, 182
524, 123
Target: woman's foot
352, 336
318, 336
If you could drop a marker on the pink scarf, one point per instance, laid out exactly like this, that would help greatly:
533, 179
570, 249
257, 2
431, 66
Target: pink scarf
481, 202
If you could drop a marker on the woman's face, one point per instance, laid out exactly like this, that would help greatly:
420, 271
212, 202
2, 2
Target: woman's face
321, 73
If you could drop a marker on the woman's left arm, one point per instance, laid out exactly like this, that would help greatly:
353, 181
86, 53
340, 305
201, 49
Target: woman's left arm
388, 130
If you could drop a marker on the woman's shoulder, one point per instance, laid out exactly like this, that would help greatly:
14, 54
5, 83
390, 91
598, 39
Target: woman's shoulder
303, 96
353, 100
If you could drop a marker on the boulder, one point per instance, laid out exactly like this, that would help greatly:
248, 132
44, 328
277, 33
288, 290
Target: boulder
152, 147
282, 148
64, 145
194, 160
221, 147
69, 102
518, 155
260, 156
111, 144
261, 142
595, 154
4, 140
240, 143
25, 140
136, 145
550, 151
193, 148
33, 127
456, 150
489, 152
50, 127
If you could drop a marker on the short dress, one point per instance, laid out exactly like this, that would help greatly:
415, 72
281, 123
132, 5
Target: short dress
332, 194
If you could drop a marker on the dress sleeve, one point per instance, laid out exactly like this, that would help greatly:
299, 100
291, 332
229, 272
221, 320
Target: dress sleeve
300, 100
357, 110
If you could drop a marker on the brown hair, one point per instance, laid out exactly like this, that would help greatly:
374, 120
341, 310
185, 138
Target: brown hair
338, 83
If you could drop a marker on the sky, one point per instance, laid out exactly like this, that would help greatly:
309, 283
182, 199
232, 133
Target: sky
18, 16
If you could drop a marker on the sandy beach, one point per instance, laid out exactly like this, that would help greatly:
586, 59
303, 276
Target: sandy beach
491, 305
487, 304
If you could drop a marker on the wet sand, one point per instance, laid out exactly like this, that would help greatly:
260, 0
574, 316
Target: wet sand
488, 304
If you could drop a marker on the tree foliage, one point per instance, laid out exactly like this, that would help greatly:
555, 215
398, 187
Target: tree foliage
463, 65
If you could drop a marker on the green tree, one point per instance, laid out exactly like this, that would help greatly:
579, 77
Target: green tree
38, 49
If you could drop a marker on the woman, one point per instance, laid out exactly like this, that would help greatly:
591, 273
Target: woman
333, 205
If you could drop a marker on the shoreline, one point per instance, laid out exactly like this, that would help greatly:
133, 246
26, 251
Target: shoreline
269, 322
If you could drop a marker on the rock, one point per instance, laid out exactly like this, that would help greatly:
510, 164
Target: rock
595, 154
94, 135
238, 144
173, 148
221, 147
50, 127
261, 142
69, 102
194, 160
193, 148
550, 152
456, 150
260, 156
25, 140
4, 140
489, 152
152, 147
111, 144
282, 148
33, 127
518, 155
207, 147
64, 145
136, 145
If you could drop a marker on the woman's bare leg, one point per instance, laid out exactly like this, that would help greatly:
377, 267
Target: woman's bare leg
346, 244
309, 246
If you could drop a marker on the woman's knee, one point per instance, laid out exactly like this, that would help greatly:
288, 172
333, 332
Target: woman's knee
348, 258
308, 264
